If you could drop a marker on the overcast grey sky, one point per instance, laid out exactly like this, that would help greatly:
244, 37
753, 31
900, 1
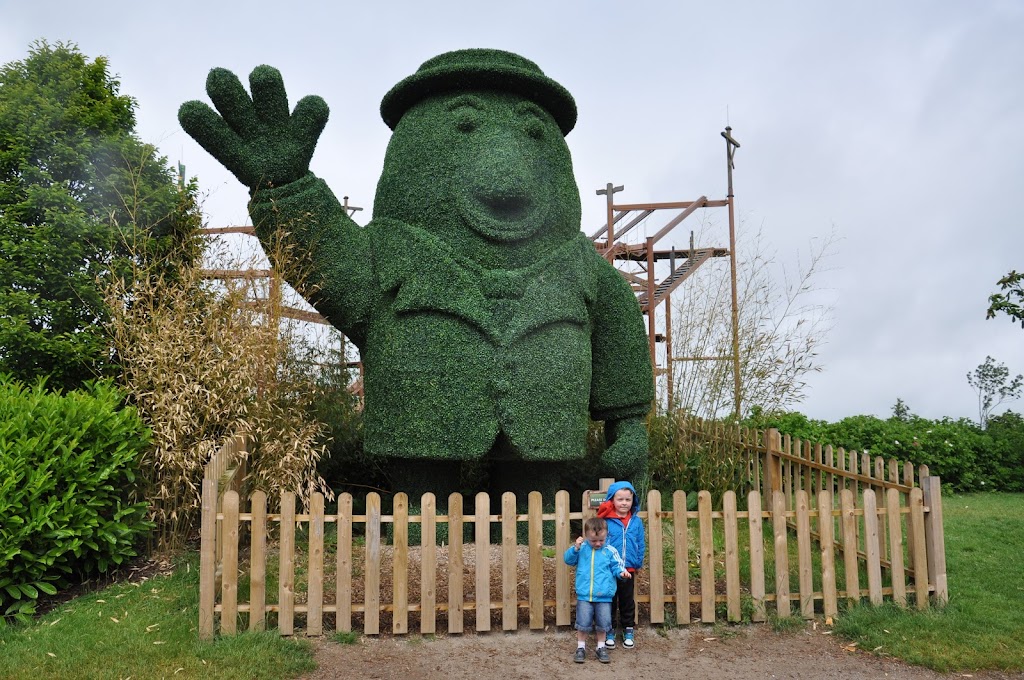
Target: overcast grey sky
900, 124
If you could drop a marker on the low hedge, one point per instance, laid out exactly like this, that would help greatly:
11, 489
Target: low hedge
67, 468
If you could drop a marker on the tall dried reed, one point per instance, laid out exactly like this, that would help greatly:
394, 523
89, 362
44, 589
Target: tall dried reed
203, 360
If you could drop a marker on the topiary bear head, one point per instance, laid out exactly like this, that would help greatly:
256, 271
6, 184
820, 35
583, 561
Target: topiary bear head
478, 157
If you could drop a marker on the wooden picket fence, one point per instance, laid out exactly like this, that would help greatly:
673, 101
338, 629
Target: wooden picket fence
885, 535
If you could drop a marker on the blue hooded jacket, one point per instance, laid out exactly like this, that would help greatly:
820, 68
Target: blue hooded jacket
597, 571
626, 537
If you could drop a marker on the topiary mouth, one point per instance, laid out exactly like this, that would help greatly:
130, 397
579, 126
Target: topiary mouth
504, 216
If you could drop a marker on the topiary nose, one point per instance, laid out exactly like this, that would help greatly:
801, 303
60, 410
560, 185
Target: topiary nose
499, 178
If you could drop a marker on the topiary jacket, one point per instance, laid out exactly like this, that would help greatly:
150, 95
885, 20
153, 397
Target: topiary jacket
453, 353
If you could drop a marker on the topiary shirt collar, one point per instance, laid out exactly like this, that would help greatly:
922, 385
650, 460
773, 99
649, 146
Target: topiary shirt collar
424, 274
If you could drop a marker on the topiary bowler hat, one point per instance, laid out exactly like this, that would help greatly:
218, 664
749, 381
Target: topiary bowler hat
476, 69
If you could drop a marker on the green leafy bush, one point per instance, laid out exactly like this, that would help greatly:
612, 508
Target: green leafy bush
67, 468
1005, 463
965, 456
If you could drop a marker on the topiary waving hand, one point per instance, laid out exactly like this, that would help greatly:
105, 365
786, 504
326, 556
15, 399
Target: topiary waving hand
255, 137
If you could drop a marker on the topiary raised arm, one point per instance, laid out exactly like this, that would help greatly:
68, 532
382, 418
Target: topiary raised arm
269, 149
255, 137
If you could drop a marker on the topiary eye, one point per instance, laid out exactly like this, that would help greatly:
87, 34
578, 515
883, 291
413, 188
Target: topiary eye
533, 119
467, 120
467, 112
535, 128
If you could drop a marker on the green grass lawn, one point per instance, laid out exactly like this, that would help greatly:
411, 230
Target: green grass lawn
146, 630
983, 625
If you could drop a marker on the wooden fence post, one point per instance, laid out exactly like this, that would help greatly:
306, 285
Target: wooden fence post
315, 579
400, 564
707, 558
563, 592
848, 524
682, 548
535, 535
803, 543
229, 581
371, 566
509, 579
874, 564
756, 530
428, 564
456, 600
781, 554
657, 571
772, 464
934, 536
208, 559
286, 578
826, 534
899, 585
482, 532
258, 562
917, 527
343, 578
732, 557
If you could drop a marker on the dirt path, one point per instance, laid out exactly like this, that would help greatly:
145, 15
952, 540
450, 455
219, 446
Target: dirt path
696, 652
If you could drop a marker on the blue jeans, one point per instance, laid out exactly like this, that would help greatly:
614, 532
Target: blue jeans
587, 612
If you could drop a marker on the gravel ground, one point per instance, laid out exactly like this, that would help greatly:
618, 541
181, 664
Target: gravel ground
699, 651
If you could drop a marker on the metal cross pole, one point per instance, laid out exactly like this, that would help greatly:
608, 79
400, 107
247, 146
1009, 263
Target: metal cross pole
608, 191
730, 149
351, 209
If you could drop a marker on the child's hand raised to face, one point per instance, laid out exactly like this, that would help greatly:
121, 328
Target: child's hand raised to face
579, 542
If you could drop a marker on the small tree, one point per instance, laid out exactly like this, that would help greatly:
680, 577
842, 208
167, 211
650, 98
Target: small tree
80, 195
900, 410
781, 326
1011, 301
991, 381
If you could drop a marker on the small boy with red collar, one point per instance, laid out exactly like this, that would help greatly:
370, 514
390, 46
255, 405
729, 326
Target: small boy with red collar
625, 534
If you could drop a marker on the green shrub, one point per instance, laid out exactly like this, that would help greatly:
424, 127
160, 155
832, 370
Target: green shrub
966, 457
67, 468
1005, 464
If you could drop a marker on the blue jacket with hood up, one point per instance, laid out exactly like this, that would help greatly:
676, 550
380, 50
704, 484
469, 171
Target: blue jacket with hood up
625, 536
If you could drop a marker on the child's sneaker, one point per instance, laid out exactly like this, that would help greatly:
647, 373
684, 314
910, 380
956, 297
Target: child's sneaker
609, 639
581, 655
602, 655
627, 639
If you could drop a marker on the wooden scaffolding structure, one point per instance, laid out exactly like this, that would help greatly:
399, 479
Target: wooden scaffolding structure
652, 284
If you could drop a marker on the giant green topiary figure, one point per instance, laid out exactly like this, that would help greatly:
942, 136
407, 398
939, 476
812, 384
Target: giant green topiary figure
489, 326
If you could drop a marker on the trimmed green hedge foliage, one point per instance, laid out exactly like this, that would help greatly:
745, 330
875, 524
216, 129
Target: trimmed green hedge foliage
966, 457
67, 466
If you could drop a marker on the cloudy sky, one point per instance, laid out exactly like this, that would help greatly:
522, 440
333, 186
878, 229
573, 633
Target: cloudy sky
897, 125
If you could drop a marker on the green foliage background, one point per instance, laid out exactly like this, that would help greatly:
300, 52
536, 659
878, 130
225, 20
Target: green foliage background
67, 468
80, 197
965, 456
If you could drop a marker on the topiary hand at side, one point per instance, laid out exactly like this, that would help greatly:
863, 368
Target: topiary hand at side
256, 138
627, 453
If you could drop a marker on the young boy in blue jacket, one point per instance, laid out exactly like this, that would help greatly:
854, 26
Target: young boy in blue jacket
625, 534
598, 568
